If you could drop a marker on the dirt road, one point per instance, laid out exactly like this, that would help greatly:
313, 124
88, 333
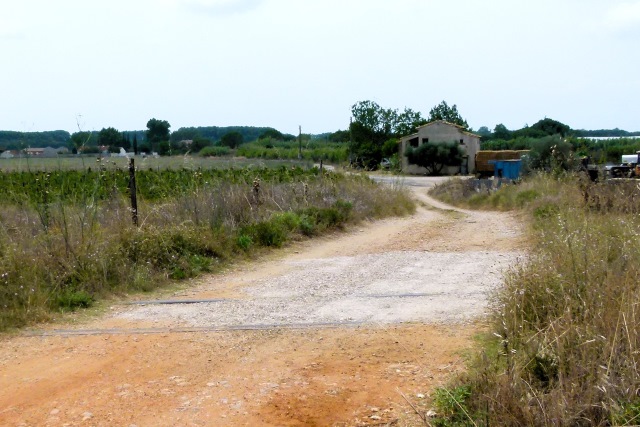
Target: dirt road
342, 331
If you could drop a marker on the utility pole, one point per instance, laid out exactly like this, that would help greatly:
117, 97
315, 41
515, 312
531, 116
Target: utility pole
299, 142
350, 139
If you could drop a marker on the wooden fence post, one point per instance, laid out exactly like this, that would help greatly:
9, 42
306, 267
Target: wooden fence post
132, 192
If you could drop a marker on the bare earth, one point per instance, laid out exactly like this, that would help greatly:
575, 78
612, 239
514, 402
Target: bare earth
340, 331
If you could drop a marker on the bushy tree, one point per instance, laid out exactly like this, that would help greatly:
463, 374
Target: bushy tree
232, 139
79, 140
551, 153
272, 134
157, 131
501, 132
372, 126
390, 147
164, 148
199, 143
442, 111
434, 156
484, 132
339, 136
544, 127
407, 122
366, 146
110, 138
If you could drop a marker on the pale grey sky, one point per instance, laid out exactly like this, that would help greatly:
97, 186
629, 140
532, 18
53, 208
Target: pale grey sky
284, 63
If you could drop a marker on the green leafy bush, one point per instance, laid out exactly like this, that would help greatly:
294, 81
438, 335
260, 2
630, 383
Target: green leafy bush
214, 151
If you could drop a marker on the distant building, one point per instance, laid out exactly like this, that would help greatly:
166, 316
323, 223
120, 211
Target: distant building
440, 131
10, 154
36, 152
50, 152
45, 152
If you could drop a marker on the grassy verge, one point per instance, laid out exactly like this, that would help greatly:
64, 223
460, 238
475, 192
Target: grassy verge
310, 150
62, 251
564, 344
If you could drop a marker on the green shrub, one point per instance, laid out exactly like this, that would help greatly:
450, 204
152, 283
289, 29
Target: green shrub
73, 299
525, 197
215, 151
451, 407
270, 233
307, 225
546, 211
244, 242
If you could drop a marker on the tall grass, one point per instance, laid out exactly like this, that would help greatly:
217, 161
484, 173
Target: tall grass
564, 348
59, 253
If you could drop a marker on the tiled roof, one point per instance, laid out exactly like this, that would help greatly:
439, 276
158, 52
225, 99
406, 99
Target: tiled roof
462, 129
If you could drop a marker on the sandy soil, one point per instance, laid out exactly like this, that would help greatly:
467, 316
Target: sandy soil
161, 367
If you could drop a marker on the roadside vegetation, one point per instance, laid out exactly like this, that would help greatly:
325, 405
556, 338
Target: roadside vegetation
308, 150
563, 346
67, 238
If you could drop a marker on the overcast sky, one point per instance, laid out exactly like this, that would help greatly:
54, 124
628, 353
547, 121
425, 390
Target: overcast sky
285, 63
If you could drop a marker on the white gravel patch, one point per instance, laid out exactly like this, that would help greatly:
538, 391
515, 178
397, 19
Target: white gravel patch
377, 288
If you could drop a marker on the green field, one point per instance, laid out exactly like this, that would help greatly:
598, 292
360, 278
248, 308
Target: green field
164, 162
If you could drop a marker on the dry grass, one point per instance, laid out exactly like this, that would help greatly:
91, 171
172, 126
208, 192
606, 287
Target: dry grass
565, 343
85, 251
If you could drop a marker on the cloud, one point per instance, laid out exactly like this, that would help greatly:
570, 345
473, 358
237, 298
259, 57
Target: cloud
624, 17
221, 7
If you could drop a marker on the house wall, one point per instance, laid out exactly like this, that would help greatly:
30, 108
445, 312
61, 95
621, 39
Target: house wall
442, 132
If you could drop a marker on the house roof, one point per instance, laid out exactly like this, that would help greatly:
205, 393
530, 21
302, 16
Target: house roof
462, 129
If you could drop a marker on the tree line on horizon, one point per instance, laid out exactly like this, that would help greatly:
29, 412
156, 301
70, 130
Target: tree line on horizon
372, 135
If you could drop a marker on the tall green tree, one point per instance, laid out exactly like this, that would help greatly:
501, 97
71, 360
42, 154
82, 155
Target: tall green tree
408, 121
135, 144
501, 132
372, 128
125, 142
157, 131
111, 138
442, 111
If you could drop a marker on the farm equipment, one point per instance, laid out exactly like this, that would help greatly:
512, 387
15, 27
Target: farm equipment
628, 168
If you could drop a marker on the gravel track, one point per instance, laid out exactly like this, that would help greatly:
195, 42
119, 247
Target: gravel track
389, 286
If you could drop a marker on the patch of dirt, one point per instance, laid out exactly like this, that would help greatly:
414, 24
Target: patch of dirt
306, 377
324, 376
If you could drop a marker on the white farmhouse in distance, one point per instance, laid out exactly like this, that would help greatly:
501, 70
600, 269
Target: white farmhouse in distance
440, 131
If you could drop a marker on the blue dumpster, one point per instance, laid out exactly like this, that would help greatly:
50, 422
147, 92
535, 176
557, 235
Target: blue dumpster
509, 169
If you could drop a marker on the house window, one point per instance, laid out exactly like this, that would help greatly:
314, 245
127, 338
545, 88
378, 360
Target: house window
462, 142
413, 142
425, 140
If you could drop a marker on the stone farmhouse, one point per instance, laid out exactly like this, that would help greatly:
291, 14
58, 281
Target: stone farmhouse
441, 131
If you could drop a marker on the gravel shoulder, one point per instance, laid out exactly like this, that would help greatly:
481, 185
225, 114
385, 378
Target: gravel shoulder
341, 330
